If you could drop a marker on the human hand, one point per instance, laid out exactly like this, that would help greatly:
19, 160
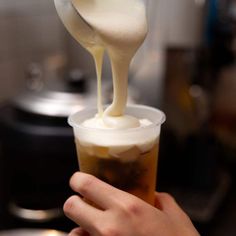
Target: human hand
119, 213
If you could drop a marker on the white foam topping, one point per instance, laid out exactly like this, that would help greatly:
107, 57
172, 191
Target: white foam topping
116, 123
118, 139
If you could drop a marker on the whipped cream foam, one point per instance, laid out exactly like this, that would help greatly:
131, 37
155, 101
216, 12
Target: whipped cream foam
115, 123
92, 132
118, 141
117, 27
121, 26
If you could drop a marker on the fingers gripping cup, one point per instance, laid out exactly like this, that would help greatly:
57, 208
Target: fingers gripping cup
124, 158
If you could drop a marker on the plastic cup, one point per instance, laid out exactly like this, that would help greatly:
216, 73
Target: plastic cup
126, 159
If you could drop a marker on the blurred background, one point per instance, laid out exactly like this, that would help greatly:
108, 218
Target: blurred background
186, 67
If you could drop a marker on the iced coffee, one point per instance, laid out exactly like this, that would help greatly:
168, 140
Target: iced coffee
125, 158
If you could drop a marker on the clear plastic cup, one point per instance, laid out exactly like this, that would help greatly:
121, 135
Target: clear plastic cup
126, 159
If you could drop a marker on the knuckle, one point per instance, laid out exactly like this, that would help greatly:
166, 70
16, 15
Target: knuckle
131, 208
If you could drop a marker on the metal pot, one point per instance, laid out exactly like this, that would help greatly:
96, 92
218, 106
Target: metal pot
38, 147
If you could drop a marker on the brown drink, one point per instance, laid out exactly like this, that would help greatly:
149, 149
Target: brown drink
127, 159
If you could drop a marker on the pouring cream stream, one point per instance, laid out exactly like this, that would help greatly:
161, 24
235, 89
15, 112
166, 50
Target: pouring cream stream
118, 27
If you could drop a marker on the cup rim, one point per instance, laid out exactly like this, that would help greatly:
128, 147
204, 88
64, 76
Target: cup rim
159, 122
